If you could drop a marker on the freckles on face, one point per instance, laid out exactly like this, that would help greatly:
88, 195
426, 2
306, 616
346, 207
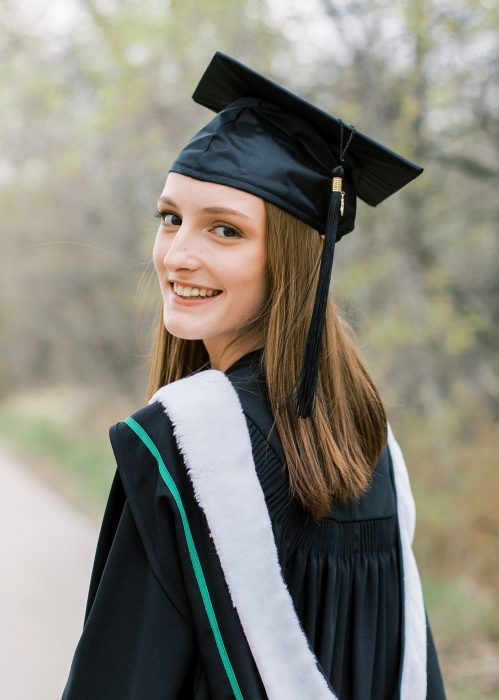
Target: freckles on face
210, 245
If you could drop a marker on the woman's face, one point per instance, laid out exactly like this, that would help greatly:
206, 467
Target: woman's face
209, 255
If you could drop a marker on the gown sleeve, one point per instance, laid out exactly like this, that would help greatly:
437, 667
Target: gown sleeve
136, 643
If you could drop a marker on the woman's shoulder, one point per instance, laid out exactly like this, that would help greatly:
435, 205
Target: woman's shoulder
151, 417
149, 435
151, 464
145, 432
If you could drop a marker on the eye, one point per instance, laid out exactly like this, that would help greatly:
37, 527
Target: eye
225, 231
168, 218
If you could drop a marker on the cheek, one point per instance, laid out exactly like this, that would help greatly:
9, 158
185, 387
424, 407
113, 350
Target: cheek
260, 274
254, 285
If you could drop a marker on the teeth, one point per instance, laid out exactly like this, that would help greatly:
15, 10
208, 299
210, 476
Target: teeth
193, 291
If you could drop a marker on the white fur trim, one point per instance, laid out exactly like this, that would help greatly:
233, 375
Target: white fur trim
414, 680
212, 435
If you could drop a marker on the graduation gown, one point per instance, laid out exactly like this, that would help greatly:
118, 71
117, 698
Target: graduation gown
334, 616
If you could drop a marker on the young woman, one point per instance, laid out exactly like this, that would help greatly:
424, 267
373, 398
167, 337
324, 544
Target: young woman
257, 539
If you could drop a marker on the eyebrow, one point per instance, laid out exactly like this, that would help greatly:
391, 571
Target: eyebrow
207, 210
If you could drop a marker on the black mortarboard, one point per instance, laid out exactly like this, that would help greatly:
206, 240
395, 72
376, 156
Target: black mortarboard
272, 143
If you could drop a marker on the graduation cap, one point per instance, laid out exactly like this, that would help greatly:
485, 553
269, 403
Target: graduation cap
270, 142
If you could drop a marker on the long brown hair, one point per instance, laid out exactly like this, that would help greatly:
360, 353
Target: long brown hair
329, 456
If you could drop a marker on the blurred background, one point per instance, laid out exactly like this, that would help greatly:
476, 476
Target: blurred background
94, 104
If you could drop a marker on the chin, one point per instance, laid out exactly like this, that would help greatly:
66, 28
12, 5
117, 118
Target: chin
182, 332
185, 331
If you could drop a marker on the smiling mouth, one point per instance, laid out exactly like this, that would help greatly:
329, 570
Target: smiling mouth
194, 292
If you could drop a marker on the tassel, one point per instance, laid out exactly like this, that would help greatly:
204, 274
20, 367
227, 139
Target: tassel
311, 359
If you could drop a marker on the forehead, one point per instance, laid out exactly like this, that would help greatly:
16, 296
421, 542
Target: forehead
187, 191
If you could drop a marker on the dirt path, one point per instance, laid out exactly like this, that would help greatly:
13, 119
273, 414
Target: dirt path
46, 554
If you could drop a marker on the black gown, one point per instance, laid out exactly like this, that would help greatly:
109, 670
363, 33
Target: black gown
146, 635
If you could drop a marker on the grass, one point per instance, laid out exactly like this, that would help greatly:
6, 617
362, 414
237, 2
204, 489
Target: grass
465, 624
68, 448
453, 473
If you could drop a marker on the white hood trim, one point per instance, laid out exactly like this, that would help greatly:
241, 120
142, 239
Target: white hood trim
213, 438
414, 674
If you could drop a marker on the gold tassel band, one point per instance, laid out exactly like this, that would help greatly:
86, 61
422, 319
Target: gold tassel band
337, 186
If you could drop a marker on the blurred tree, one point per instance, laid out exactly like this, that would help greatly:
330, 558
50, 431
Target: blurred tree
423, 77
89, 124
98, 108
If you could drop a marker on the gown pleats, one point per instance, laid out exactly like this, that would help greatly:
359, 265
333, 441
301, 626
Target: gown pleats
344, 578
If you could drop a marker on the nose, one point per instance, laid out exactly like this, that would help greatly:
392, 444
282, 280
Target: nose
182, 251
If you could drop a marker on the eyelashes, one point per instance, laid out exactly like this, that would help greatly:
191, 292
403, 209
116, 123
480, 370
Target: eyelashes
234, 233
231, 231
161, 215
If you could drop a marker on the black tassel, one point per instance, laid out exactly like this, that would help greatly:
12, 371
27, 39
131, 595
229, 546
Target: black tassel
311, 358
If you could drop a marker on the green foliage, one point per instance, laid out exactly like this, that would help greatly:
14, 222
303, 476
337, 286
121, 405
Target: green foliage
89, 127
77, 458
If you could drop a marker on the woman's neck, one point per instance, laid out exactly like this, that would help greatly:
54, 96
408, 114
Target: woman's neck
222, 358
